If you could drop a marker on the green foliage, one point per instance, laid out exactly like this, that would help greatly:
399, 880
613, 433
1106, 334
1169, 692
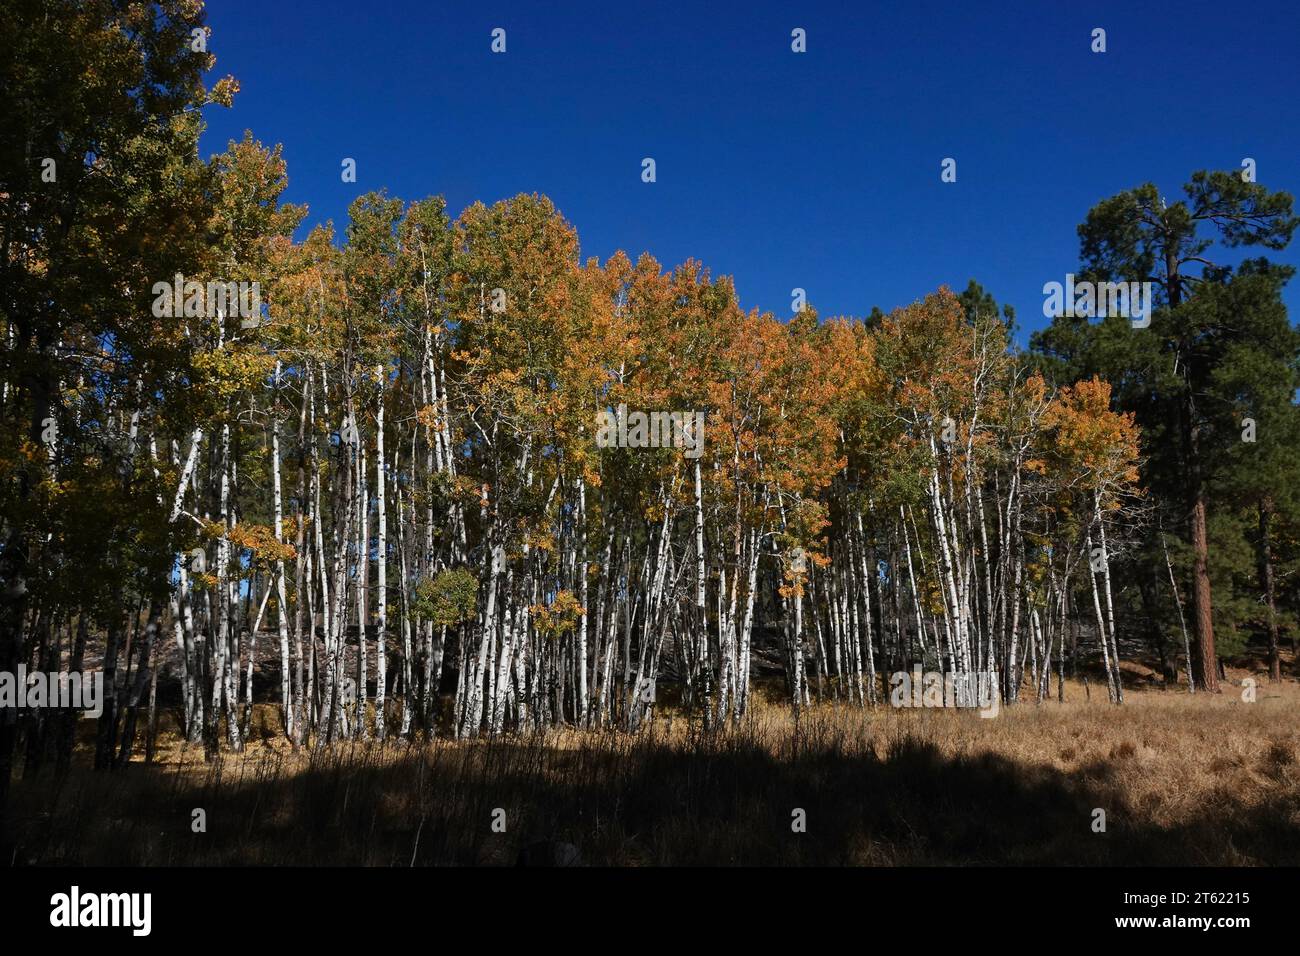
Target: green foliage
1220, 353
447, 599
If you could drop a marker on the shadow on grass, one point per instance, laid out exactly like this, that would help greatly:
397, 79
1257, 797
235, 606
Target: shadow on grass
627, 801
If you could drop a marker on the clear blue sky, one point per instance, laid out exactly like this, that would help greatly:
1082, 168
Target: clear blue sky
819, 170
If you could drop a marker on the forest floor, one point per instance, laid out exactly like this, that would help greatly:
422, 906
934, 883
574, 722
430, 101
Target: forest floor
1183, 779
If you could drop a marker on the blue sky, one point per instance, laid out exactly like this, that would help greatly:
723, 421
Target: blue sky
818, 170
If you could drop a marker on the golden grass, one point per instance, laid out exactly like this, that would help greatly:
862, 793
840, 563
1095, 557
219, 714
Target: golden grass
1204, 779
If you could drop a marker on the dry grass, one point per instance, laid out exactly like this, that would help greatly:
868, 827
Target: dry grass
1183, 780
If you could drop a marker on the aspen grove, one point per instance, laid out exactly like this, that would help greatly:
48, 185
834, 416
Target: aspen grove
386, 495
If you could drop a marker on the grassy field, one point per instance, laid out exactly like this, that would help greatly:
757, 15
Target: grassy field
1182, 780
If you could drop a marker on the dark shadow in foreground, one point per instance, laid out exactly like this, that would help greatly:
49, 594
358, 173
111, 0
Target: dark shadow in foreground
615, 800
